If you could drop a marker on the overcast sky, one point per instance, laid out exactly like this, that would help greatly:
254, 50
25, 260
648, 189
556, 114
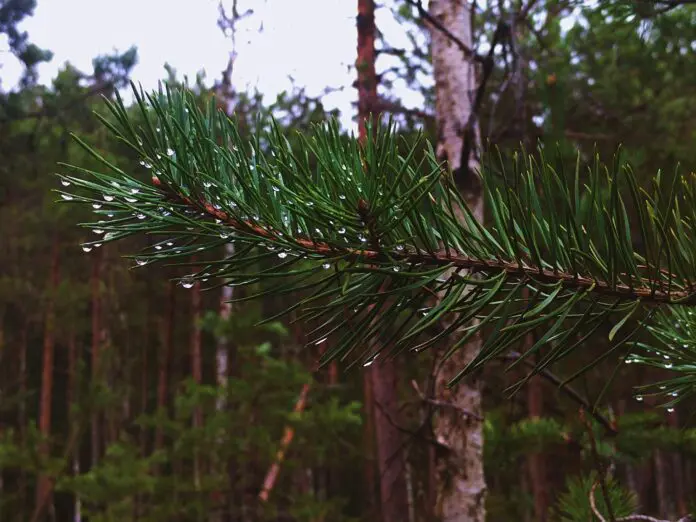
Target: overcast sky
313, 40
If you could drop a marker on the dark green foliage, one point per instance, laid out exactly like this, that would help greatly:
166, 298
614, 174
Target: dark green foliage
574, 506
353, 219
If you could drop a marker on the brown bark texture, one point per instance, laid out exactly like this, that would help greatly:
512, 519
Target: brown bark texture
43, 486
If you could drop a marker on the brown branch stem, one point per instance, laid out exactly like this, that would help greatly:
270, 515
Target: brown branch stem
444, 258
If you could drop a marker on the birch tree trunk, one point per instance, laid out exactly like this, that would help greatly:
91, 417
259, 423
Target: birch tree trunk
460, 483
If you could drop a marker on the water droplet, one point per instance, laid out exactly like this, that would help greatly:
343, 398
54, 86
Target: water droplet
110, 215
98, 231
140, 216
326, 266
170, 151
108, 197
86, 248
65, 182
169, 243
158, 129
342, 230
663, 387
362, 238
665, 356
134, 190
145, 164
674, 394
186, 110
370, 361
282, 255
131, 200
396, 268
670, 410
400, 248
158, 247
115, 184
187, 282
639, 398
66, 197
97, 245
310, 203
320, 341
96, 206
141, 262
668, 366
275, 189
224, 235
341, 196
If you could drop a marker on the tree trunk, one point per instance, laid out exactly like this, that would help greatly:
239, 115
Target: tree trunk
536, 462
71, 397
196, 367
680, 497
43, 486
379, 379
390, 454
461, 486
95, 283
163, 362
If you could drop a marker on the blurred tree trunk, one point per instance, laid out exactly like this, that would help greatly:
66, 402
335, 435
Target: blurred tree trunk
461, 486
96, 283
536, 462
380, 390
196, 367
71, 398
163, 362
43, 487
677, 462
662, 485
367, 91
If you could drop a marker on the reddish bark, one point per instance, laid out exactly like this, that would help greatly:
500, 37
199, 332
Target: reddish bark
96, 281
680, 496
43, 485
164, 360
365, 63
536, 462
367, 93
390, 458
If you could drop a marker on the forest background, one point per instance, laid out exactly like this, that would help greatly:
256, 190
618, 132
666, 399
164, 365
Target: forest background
127, 396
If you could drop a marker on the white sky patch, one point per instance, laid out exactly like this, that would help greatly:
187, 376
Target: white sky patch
312, 40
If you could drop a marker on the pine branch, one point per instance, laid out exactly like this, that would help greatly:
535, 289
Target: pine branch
330, 220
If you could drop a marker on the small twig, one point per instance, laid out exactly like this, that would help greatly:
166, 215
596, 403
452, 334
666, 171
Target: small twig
425, 15
600, 471
274, 470
629, 518
570, 392
444, 404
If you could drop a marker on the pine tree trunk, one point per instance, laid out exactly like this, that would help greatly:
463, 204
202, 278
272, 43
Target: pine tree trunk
196, 367
164, 361
71, 397
96, 283
536, 462
680, 497
461, 486
22, 413
390, 454
380, 379
43, 486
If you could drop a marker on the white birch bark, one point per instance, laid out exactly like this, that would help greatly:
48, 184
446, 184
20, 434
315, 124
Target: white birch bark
460, 483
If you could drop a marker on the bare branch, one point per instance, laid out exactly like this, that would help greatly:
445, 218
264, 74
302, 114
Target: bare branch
425, 15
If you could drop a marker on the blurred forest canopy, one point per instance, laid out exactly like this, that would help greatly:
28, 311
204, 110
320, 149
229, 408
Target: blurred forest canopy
130, 392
